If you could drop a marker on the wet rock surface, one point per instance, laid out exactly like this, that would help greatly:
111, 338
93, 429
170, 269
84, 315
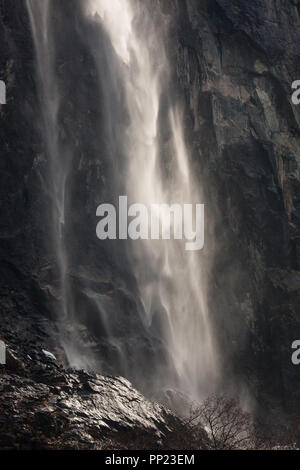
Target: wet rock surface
44, 406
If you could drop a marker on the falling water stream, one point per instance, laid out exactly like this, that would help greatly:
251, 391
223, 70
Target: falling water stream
50, 103
171, 281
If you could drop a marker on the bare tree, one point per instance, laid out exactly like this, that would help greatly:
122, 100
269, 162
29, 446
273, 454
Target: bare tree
227, 425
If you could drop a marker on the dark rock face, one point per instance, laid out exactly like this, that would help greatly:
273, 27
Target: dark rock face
235, 62
233, 65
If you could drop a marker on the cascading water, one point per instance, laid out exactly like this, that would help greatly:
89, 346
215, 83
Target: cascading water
50, 103
170, 278
156, 170
58, 163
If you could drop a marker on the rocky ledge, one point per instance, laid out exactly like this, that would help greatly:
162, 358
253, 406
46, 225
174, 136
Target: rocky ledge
43, 406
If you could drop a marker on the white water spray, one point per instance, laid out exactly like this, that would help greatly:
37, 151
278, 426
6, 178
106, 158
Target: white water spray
165, 271
171, 280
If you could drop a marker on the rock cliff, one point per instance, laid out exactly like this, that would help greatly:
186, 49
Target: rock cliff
233, 66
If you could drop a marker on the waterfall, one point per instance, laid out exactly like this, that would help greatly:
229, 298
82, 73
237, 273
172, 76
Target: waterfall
170, 279
156, 169
58, 161
49, 103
